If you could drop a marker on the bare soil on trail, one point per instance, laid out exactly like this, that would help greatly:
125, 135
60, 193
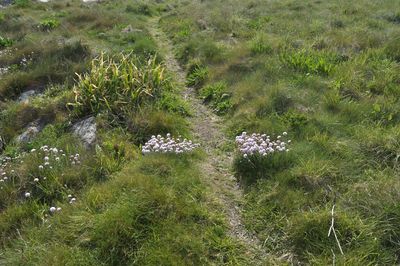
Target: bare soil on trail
208, 130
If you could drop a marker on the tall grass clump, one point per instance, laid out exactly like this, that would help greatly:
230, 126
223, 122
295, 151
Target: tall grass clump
310, 61
197, 75
118, 84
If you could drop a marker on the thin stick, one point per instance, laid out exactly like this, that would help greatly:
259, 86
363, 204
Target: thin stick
332, 229
333, 258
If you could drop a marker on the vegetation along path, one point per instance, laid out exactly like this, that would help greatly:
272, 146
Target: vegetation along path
207, 128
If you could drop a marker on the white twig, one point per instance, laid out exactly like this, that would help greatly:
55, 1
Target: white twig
333, 258
332, 229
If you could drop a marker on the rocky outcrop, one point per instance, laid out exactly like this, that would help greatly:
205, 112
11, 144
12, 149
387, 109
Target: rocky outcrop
26, 95
86, 130
30, 132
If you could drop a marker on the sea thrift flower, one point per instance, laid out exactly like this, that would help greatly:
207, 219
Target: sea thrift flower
53, 209
168, 144
260, 144
27, 195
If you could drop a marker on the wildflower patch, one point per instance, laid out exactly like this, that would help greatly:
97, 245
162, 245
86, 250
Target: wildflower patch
261, 144
168, 144
260, 156
37, 176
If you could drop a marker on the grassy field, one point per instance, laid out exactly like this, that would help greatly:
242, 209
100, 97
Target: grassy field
327, 72
323, 74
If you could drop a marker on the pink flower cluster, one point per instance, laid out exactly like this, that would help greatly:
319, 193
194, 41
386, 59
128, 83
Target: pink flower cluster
168, 145
261, 144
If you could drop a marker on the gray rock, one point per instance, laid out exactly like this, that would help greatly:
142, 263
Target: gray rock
26, 95
30, 132
6, 2
86, 130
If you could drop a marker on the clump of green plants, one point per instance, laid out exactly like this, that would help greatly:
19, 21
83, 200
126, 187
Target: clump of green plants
197, 75
295, 120
5, 42
118, 84
49, 24
260, 45
322, 62
217, 96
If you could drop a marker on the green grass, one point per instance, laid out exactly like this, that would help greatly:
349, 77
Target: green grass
147, 214
325, 73
156, 208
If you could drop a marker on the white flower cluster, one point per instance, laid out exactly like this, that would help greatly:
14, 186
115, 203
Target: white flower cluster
261, 144
71, 199
54, 209
4, 70
25, 61
168, 145
5, 164
51, 156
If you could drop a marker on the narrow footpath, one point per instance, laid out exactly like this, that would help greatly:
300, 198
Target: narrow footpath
216, 167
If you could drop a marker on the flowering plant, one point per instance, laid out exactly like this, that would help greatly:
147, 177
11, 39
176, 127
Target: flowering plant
260, 156
261, 144
168, 145
36, 174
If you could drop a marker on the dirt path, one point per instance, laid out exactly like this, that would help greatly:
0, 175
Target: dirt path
208, 129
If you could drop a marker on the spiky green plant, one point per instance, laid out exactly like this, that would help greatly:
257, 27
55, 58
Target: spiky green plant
118, 83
